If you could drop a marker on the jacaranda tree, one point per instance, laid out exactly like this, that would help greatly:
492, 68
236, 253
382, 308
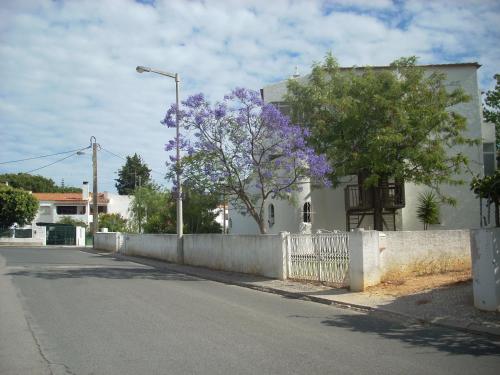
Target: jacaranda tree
245, 149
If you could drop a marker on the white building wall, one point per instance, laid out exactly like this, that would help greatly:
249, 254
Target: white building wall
466, 213
118, 204
328, 204
287, 217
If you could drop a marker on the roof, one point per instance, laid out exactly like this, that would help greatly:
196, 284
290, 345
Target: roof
68, 197
474, 63
60, 197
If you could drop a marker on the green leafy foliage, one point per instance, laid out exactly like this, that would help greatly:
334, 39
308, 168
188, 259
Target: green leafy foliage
114, 222
200, 211
36, 184
16, 206
396, 123
149, 211
491, 110
428, 209
71, 221
488, 188
155, 211
133, 174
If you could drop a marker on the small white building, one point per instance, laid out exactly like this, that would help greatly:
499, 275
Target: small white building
78, 206
319, 208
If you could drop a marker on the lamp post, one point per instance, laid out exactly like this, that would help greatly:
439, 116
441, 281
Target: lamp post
95, 213
175, 76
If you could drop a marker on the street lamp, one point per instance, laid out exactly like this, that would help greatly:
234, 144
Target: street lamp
175, 76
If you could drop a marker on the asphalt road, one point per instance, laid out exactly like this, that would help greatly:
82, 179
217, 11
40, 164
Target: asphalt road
67, 311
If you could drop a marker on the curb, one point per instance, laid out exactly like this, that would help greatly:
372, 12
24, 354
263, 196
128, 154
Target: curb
477, 330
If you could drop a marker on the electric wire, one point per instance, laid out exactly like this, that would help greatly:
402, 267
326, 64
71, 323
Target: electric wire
44, 156
48, 165
121, 157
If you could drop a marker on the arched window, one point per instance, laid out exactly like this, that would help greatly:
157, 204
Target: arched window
306, 213
270, 213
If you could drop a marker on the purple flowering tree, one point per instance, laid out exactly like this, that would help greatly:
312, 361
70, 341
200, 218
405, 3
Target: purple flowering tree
244, 148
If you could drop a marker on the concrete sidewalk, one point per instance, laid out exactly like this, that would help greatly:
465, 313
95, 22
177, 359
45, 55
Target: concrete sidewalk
450, 307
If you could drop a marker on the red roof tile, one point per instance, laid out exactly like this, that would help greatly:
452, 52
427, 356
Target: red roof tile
68, 197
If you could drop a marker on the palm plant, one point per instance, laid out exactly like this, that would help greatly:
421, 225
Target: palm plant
428, 209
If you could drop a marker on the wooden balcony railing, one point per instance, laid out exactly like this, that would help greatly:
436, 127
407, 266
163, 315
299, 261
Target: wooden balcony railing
358, 198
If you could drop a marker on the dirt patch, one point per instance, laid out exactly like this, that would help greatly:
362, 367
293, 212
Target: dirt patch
416, 284
427, 266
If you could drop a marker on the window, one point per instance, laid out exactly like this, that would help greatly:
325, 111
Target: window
66, 210
100, 209
270, 213
306, 213
489, 158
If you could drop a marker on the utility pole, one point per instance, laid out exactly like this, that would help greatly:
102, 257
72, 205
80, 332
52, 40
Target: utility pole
95, 213
224, 230
176, 77
140, 205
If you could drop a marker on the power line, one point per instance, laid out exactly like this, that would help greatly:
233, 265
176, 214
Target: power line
121, 157
48, 165
112, 153
43, 156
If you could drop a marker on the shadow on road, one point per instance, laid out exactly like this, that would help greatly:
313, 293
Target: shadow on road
445, 340
104, 273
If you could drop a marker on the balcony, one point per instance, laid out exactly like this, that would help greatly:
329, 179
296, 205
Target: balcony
361, 199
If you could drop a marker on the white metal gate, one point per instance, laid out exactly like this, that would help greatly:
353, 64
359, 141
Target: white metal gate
319, 257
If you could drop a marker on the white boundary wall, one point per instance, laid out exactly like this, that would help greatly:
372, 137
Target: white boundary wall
39, 238
106, 241
375, 256
372, 254
254, 254
407, 251
158, 246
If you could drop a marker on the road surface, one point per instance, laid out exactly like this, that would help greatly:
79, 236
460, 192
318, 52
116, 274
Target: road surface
65, 311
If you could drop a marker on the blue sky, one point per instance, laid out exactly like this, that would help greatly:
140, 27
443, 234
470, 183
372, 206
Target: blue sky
68, 67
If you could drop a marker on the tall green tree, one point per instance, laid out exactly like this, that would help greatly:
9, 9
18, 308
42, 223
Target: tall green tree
134, 173
36, 184
491, 109
149, 211
155, 211
200, 209
395, 123
16, 206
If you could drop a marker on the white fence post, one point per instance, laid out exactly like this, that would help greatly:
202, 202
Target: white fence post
364, 258
285, 255
485, 253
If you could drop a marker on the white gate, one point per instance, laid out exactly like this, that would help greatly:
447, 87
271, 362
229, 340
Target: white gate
319, 257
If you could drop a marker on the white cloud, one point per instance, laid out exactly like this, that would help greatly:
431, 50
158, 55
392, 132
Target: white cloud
68, 68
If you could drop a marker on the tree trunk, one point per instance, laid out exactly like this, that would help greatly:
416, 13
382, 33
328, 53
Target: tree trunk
497, 214
378, 223
262, 226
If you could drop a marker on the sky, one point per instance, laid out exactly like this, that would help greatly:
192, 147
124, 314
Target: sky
67, 68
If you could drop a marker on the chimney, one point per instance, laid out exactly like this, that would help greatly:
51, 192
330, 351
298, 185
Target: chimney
85, 190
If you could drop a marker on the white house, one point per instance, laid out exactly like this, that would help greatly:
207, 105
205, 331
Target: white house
78, 206
332, 209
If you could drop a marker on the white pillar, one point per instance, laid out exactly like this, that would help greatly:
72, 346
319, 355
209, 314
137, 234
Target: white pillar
364, 259
284, 251
485, 253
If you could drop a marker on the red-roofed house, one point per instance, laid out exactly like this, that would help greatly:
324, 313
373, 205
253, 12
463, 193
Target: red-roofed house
78, 206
